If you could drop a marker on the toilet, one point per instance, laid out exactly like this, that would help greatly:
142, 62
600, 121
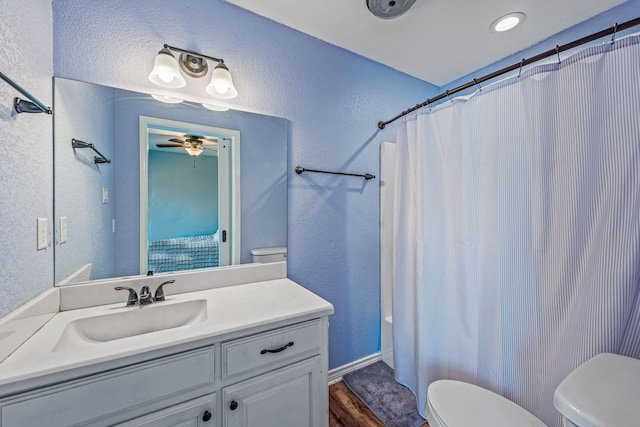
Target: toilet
264, 255
457, 404
601, 392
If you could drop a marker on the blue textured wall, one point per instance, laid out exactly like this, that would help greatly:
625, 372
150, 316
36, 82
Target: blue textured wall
26, 174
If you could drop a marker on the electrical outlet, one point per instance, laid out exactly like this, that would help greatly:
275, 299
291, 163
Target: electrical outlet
63, 229
43, 233
105, 195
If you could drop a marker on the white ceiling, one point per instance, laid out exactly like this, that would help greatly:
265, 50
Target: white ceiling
436, 40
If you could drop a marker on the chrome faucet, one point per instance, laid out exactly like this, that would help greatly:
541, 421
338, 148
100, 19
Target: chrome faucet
145, 294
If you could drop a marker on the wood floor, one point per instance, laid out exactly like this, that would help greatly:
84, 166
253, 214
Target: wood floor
347, 410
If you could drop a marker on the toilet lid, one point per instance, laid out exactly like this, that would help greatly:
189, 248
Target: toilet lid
604, 391
458, 404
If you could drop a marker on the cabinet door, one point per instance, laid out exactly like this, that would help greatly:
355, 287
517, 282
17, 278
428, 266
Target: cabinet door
198, 412
289, 397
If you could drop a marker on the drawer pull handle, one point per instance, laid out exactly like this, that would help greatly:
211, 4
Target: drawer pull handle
279, 349
206, 416
234, 405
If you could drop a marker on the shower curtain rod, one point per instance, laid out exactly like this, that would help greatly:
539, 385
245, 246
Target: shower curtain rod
556, 51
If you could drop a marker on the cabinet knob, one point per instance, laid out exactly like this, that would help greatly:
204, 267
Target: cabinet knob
234, 405
206, 416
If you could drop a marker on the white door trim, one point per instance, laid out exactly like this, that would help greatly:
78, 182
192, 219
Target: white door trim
234, 235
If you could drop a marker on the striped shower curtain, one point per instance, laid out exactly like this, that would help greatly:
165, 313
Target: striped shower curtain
517, 229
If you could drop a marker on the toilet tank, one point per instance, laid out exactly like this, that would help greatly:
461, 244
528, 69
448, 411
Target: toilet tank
269, 254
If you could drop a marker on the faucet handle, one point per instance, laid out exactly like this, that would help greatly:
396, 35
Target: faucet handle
133, 296
159, 296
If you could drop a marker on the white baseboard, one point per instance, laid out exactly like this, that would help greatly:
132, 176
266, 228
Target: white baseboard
335, 375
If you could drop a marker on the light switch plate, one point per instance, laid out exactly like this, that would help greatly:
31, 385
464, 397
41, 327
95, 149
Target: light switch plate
105, 195
43, 233
63, 229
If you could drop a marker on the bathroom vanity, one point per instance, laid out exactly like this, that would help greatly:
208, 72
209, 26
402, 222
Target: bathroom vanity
242, 353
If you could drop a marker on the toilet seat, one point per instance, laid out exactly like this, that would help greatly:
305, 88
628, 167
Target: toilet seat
458, 404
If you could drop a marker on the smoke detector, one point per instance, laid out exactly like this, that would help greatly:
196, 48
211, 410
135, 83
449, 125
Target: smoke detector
388, 9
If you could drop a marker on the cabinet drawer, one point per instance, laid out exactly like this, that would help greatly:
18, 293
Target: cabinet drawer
199, 412
98, 397
271, 349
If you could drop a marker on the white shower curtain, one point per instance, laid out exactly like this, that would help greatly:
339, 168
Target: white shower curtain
517, 229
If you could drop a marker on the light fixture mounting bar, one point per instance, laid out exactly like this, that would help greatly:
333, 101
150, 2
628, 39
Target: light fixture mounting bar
190, 52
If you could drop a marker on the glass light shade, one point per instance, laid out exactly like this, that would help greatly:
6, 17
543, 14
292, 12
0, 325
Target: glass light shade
194, 151
167, 99
215, 107
507, 22
221, 85
165, 71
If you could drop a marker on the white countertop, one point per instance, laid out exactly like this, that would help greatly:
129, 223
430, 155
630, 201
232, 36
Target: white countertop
230, 310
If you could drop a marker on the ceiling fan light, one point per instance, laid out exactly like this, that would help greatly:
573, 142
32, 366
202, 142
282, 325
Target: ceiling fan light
166, 72
507, 22
194, 151
221, 85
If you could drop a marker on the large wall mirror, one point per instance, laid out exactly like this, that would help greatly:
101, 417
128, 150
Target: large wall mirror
142, 185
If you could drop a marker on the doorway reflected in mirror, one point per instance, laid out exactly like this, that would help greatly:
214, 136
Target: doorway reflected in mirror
189, 182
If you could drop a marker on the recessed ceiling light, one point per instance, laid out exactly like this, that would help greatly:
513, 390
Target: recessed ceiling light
507, 22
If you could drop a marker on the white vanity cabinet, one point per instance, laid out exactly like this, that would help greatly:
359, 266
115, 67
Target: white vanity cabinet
294, 394
267, 376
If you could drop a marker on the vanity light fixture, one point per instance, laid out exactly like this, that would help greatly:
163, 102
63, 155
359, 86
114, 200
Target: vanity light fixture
213, 107
167, 99
166, 71
507, 22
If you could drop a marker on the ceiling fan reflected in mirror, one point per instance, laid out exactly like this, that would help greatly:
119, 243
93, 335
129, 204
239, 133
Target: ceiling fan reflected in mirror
194, 145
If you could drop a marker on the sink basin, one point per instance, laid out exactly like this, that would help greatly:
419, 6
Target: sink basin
131, 322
